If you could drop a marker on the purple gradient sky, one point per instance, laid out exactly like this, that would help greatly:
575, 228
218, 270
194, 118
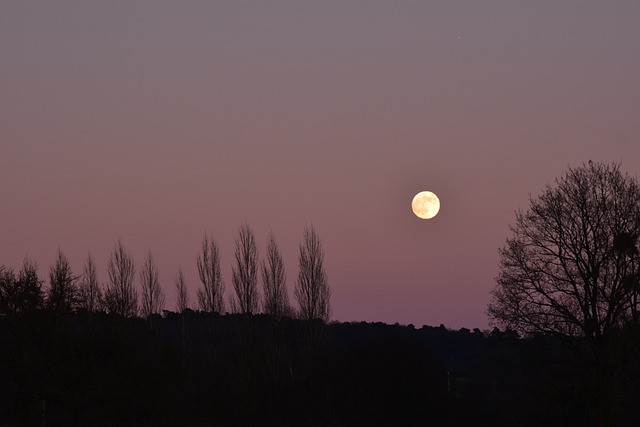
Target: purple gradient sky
154, 121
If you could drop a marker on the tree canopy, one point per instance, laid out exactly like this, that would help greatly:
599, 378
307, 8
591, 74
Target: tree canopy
570, 267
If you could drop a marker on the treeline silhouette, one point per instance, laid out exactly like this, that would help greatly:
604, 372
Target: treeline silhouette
67, 292
197, 368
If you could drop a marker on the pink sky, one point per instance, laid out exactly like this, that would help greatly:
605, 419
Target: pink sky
154, 121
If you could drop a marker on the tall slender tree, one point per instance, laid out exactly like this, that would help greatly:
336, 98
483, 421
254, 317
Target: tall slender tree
312, 289
121, 296
90, 294
63, 293
152, 293
182, 296
8, 290
245, 272
274, 281
27, 293
210, 296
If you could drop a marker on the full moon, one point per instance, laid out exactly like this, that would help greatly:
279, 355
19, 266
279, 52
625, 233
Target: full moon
425, 205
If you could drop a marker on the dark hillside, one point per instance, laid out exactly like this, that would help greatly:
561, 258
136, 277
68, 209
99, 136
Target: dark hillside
234, 370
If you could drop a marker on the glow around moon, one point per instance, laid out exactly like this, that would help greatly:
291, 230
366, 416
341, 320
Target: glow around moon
425, 205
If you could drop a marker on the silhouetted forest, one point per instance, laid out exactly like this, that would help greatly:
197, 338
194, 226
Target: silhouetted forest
199, 368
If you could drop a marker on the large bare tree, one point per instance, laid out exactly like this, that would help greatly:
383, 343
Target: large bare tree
152, 293
571, 266
121, 296
245, 272
182, 296
312, 289
63, 293
90, 295
210, 297
274, 281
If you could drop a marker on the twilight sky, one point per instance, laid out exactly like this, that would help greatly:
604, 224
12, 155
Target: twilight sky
154, 121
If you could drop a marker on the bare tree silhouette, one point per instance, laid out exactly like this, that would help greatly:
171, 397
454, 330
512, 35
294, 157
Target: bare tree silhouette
274, 281
561, 272
210, 297
21, 293
312, 290
245, 272
120, 296
7, 289
152, 293
182, 296
63, 293
90, 294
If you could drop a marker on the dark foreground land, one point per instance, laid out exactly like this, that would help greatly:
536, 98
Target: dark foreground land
202, 369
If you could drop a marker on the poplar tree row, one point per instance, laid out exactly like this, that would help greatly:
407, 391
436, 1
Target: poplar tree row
67, 292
